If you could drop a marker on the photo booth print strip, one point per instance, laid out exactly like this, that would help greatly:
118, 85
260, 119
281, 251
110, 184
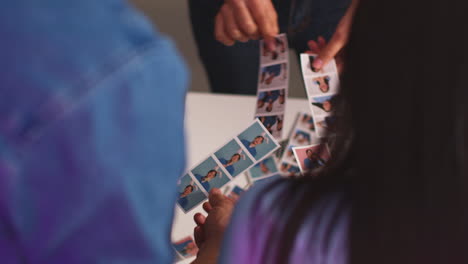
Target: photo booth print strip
273, 87
327, 76
200, 173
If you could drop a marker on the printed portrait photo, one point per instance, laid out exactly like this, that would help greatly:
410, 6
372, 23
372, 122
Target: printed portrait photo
190, 195
274, 125
277, 55
257, 141
306, 122
307, 60
288, 155
271, 101
275, 75
300, 138
186, 247
264, 168
289, 170
233, 158
323, 105
312, 157
209, 175
324, 124
320, 85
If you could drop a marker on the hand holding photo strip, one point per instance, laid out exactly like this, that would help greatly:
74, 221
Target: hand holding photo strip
234, 158
272, 89
311, 157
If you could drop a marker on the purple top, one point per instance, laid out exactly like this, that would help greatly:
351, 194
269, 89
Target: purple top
322, 238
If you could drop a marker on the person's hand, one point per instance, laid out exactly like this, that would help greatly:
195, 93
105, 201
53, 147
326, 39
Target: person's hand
242, 20
210, 230
333, 49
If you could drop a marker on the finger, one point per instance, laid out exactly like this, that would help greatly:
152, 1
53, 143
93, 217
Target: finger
207, 207
265, 17
199, 219
199, 236
244, 19
216, 198
230, 25
336, 43
219, 31
313, 46
322, 42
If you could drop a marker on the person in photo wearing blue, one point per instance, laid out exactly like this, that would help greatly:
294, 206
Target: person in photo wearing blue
269, 98
251, 145
270, 121
210, 175
289, 169
229, 164
271, 72
91, 134
183, 199
313, 160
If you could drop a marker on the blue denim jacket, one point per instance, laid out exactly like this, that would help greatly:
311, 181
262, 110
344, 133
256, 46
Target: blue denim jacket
91, 134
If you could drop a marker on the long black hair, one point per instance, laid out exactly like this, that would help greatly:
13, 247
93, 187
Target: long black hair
400, 145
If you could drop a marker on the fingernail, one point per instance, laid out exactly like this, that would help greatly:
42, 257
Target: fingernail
317, 65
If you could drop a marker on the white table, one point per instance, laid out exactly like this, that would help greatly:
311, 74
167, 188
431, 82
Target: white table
211, 120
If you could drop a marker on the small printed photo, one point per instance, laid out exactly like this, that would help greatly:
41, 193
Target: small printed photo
307, 60
323, 105
190, 195
274, 125
283, 144
306, 122
186, 247
257, 141
235, 193
324, 124
271, 101
289, 170
273, 76
233, 158
300, 138
210, 175
312, 157
289, 155
279, 54
320, 85
263, 169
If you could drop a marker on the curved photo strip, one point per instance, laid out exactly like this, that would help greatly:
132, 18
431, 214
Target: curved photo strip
311, 157
273, 86
321, 87
231, 160
303, 133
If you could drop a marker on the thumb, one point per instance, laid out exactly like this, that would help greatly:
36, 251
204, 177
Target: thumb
337, 42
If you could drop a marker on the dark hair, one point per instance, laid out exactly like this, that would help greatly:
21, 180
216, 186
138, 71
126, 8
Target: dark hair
190, 186
405, 179
216, 172
260, 137
237, 154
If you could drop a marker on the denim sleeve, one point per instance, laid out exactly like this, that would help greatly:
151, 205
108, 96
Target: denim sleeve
98, 184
